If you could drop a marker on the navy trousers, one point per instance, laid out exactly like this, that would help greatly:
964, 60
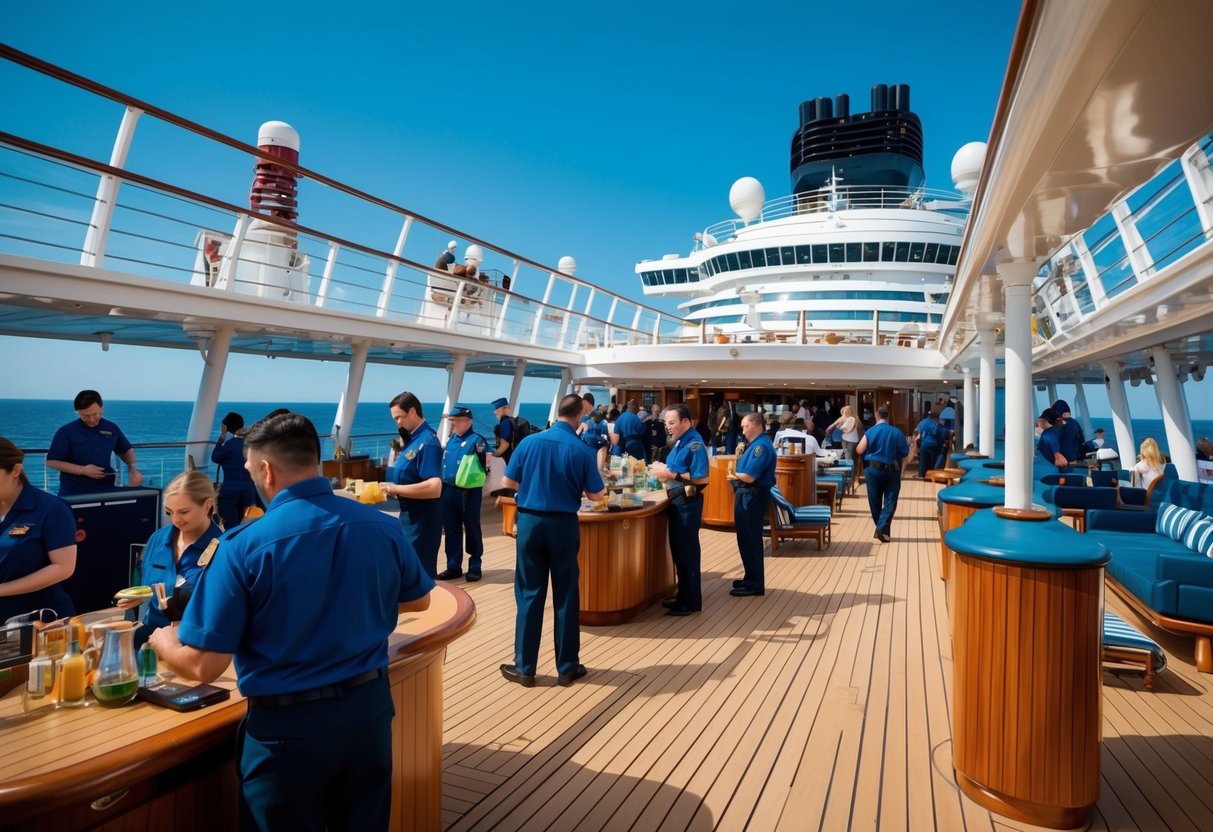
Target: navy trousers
547, 545
883, 488
319, 765
460, 515
233, 501
421, 521
750, 507
684, 519
927, 456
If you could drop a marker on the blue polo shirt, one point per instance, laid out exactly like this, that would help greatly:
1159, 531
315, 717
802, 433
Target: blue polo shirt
1049, 444
758, 461
160, 565
688, 456
307, 595
229, 456
1070, 439
36, 524
595, 434
80, 444
457, 447
420, 460
930, 433
886, 444
629, 426
552, 470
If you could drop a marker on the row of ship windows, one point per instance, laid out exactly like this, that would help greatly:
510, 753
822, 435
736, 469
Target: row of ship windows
807, 255
839, 294
836, 315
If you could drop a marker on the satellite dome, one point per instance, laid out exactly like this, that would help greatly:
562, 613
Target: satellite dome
278, 133
567, 265
967, 165
746, 198
474, 254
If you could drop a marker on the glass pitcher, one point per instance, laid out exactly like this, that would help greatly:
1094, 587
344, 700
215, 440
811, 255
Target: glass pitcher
117, 675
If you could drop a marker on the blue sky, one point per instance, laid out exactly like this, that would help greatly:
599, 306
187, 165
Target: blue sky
608, 132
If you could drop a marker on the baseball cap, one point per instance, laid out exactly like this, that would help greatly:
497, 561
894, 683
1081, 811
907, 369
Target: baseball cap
459, 410
496, 403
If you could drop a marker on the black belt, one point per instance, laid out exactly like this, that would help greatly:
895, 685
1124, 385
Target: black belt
880, 466
335, 691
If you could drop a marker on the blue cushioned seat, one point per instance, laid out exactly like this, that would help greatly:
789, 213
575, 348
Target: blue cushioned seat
1123, 643
791, 522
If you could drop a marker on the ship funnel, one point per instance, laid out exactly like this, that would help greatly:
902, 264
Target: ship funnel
808, 112
880, 98
901, 97
842, 105
825, 108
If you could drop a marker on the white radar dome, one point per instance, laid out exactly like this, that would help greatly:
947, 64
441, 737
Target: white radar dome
567, 265
278, 133
746, 198
967, 165
474, 254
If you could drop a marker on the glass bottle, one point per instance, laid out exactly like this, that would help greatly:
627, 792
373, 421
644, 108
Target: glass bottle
71, 677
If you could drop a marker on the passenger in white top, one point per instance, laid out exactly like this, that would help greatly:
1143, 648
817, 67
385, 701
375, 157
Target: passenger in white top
810, 442
1149, 464
849, 426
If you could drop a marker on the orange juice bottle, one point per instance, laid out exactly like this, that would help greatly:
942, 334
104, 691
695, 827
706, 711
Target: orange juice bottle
71, 677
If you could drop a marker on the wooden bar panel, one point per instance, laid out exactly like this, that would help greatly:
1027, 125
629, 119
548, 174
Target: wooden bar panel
1028, 704
417, 742
718, 501
953, 517
624, 561
796, 478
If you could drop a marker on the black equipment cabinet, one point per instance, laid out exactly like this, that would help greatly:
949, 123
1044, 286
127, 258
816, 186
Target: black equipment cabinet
107, 523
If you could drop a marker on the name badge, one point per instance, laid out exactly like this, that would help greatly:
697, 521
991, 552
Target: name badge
18, 531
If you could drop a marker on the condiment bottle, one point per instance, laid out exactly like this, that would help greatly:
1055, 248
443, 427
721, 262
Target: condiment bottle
71, 677
147, 667
40, 687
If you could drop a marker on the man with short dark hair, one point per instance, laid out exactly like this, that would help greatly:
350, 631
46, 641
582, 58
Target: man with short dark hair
550, 471
685, 474
752, 482
416, 481
80, 450
304, 599
885, 447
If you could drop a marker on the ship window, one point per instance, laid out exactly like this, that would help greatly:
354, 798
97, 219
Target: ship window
931, 252
693, 274
916, 252
837, 253
707, 269
680, 275
886, 252
953, 254
871, 252
743, 259
903, 252
854, 252
667, 276
789, 255
731, 260
758, 257
721, 265
803, 255
772, 257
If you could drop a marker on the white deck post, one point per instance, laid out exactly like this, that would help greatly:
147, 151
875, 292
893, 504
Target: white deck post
1195, 165
547, 294
1084, 412
1122, 423
969, 422
1139, 256
1051, 391
1017, 291
214, 358
322, 295
516, 386
389, 275
453, 388
568, 313
97, 237
343, 422
1175, 419
985, 418
566, 381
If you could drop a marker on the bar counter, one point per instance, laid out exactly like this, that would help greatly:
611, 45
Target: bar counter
142, 766
624, 560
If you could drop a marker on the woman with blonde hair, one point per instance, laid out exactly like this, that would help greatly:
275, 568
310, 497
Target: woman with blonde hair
1149, 465
849, 425
176, 554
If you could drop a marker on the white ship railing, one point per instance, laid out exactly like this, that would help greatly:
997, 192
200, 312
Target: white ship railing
1162, 221
374, 264
846, 197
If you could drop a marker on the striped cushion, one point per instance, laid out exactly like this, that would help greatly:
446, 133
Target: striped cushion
813, 515
1116, 633
1199, 536
1173, 521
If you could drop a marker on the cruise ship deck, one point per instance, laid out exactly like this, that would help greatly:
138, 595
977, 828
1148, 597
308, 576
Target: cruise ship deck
823, 705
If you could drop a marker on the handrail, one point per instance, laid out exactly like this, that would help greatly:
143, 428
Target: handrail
67, 157
38, 65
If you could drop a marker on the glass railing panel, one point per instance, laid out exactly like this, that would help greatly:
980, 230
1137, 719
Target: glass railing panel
1108, 253
1166, 217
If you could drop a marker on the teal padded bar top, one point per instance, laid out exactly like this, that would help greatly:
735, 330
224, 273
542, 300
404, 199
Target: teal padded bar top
973, 493
1042, 543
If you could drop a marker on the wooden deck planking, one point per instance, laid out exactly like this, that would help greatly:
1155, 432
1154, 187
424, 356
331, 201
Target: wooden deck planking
824, 704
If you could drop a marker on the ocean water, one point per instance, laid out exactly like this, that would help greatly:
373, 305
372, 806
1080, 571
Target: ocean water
30, 423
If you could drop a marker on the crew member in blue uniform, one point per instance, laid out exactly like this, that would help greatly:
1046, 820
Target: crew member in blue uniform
685, 473
236, 490
305, 599
931, 435
550, 471
630, 432
461, 506
1069, 433
885, 447
596, 436
504, 430
37, 543
176, 554
1049, 443
752, 481
416, 481
80, 450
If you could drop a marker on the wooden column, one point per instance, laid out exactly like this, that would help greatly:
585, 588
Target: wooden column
718, 502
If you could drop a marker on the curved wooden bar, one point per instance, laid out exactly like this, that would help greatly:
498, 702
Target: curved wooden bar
624, 561
140, 766
1027, 646
796, 478
718, 502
